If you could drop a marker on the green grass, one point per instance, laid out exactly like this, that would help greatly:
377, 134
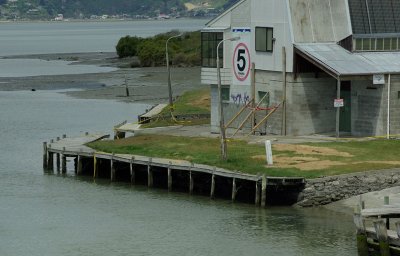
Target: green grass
190, 103
249, 158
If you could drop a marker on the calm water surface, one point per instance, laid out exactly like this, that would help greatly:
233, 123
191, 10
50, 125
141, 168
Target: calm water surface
44, 214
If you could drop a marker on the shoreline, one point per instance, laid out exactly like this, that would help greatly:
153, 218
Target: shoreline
147, 85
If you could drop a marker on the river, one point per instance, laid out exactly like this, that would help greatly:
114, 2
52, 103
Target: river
44, 214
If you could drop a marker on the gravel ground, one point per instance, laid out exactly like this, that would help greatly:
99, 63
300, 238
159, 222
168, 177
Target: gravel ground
145, 84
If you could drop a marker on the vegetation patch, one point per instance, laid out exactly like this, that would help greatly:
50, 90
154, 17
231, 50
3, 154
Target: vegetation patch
183, 50
194, 106
248, 158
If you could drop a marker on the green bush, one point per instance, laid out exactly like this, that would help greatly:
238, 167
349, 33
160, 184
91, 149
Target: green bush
128, 46
183, 51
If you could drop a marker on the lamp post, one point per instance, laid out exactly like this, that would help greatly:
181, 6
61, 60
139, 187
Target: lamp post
220, 108
169, 70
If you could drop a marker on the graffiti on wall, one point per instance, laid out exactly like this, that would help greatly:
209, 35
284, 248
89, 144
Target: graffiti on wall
240, 98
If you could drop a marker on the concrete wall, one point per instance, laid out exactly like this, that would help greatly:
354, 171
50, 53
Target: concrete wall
309, 104
369, 107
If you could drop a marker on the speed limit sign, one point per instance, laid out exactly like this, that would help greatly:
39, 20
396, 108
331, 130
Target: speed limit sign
241, 62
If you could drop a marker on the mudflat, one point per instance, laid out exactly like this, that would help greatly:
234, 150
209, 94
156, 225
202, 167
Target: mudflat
145, 84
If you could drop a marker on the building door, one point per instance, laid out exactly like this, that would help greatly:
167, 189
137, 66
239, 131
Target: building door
345, 112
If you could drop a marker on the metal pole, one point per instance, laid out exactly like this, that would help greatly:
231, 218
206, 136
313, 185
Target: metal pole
169, 71
388, 109
220, 108
338, 108
284, 91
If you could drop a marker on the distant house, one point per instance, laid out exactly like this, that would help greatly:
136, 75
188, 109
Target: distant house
335, 52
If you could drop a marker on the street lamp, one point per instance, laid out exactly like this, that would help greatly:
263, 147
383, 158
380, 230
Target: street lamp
169, 71
220, 109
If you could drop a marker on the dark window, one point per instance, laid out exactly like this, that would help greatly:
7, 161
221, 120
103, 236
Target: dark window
225, 93
264, 96
264, 39
209, 43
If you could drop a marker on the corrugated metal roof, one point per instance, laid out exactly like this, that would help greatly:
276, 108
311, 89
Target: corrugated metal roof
340, 62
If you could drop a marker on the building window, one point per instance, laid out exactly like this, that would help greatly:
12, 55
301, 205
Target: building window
264, 39
264, 96
225, 93
209, 43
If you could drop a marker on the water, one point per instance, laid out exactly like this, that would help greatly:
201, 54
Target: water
44, 214
71, 37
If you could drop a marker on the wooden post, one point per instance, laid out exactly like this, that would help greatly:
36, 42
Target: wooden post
79, 169
382, 235
212, 192
253, 94
95, 166
258, 193
132, 171
64, 136
169, 179
50, 161
234, 189
362, 245
45, 155
149, 174
112, 168
63, 163
263, 191
386, 203
191, 182
58, 161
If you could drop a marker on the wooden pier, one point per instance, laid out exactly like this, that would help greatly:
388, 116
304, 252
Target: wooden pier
376, 235
170, 174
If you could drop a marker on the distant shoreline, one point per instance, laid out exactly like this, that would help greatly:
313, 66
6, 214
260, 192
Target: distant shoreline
102, 20
146, 85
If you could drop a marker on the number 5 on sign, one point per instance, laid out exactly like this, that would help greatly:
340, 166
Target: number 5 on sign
241, 62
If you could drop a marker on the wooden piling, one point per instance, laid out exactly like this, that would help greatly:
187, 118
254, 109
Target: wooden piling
212, 192
149, 174
58, 162
50, 161
169, 179
45, 155
263, 191
257, 200
112, 168
362, 244
191, 182
95, 167
234, 189
63, 163
132, 171
382, 235
79, 165
64, 136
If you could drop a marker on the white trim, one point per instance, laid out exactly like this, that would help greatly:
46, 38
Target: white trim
348, 17
289, 15
333, 25
311, 21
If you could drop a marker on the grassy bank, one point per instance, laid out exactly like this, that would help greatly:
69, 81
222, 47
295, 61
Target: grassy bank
191, 103
307, 160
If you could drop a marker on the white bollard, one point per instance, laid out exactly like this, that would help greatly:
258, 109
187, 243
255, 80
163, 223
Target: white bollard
268, 151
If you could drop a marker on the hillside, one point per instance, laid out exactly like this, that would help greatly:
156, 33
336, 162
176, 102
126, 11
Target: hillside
49, 9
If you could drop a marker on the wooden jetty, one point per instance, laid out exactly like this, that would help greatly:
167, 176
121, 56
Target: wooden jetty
376, 234
156, 110
170, 174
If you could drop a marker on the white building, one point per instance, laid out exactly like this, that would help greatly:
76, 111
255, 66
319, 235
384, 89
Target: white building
335, 49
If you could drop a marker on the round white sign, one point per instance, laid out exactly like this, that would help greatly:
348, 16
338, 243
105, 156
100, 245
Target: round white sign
241, 62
